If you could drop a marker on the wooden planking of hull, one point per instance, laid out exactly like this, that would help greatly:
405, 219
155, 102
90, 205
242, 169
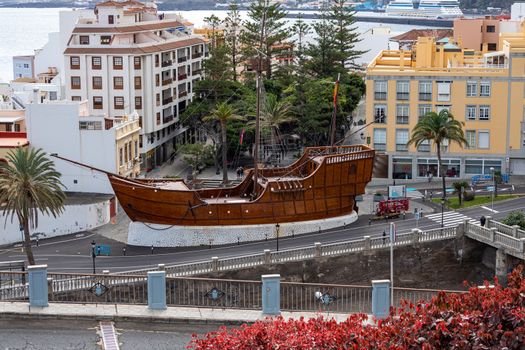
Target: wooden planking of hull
321, 184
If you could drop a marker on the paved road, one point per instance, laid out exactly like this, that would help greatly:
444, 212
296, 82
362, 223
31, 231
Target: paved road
73, 254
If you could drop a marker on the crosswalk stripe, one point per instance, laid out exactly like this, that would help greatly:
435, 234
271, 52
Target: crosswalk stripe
450, 218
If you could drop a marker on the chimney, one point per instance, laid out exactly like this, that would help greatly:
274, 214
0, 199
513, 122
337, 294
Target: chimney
35, 96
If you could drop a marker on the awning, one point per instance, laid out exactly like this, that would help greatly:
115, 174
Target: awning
10, 119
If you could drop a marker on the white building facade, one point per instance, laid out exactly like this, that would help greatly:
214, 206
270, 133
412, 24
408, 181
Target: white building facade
132, 58
23, 67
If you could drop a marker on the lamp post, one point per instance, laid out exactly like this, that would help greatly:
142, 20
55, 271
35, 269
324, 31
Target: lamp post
442, 206
93, 254
277, 235
493, 186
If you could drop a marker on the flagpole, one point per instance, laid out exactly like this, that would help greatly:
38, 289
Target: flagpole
392, 239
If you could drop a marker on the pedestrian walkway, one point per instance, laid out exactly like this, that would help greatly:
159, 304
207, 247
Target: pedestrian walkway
451, 218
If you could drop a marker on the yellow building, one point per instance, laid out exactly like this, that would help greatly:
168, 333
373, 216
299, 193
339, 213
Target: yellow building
484, 90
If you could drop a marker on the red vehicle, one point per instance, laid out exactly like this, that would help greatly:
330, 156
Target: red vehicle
392, 207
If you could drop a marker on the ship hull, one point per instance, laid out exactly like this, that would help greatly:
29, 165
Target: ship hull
320, 185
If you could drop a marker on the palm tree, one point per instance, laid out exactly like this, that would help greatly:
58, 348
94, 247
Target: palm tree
438, 128
29, 184
273, 114
223, 113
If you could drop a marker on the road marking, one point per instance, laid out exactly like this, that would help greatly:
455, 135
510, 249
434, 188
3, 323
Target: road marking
450, 218
492, 210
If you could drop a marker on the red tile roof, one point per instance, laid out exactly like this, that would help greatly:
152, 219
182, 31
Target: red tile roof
413, 34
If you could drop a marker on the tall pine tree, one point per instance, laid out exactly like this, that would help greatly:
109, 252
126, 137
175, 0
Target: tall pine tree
345, 33
264, 18
232, 32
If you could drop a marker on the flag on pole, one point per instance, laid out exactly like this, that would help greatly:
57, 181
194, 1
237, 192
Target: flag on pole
242, 137
336, 90
393, 232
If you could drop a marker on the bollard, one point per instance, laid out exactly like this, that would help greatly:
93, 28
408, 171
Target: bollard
415, 235
368, 245
157, 290
38, 287
161, 267
267, 256
380, 298
271, 294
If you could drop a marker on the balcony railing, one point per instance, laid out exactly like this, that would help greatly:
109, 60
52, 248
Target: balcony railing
167, 81
401, 147
182, 59
402, 95
380, 119
167, 63
167, 119
197, 71
196, 55
380, 95
183, 93
380, 146
425, 96
402, 119
167, 100
424, 148
182, 76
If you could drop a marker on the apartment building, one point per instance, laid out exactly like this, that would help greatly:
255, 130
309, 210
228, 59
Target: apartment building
130, 57
23, 67
485, 91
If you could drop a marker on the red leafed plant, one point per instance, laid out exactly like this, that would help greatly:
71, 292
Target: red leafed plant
482, 318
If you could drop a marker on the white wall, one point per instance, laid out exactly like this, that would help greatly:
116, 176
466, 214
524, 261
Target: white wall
54, 127
49, 55
74, 218
517, 11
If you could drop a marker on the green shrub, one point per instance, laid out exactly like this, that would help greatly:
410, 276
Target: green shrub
469, 196
515, 218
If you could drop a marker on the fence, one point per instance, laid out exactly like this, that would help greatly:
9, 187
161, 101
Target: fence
499, 235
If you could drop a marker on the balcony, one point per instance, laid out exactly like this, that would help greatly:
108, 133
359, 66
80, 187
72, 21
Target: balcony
167, 100
167, 63
401, 147
423, 148
183, 94
182, 59
403, 96
425, 96
196, 55
167, 81
182, 76
380, 146
167, 118
380, 96
197, 71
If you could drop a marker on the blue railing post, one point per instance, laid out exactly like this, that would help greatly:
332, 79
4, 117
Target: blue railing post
38, 295
271, 294
157, 290
380, 298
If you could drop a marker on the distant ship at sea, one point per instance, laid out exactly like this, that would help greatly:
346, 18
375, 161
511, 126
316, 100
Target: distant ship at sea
439, 9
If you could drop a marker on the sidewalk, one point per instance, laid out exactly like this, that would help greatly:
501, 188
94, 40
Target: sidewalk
141, 313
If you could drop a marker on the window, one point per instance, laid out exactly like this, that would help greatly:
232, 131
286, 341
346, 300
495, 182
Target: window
158, 99
74, 62
84, 40
120, 156
129, 151
26, 65
474, 166
158, 118
118, 83
76, 98
136, 149
440, 108
424, 146
157, 60
126, 152
492, 46
470, 135
17, 127
138, 83
423, 110
483, 139
90, 125
470, 113
379, 113
484, 112
97, 102
138, 102
443, 91
472, 88
402, 168
75, 83
380, 90
117, 62
401, 140
402, 114
403, 90
96, 62
105, 39
111, 19
53, 96
484, 89
491, 29
487, 164
136, 62
425, 91
380, 139
97, 83
119, 102
157, 80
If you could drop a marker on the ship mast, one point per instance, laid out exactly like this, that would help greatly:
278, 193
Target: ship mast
334, 112
258, 85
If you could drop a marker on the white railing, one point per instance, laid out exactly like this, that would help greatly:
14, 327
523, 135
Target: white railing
506, 229
509, 242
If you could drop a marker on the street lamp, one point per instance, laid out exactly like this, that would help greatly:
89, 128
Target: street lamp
493, 186
277, 235
93, 254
